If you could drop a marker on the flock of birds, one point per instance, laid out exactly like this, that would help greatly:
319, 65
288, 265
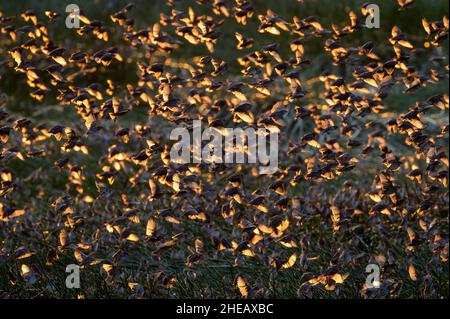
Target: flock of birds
357, 183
